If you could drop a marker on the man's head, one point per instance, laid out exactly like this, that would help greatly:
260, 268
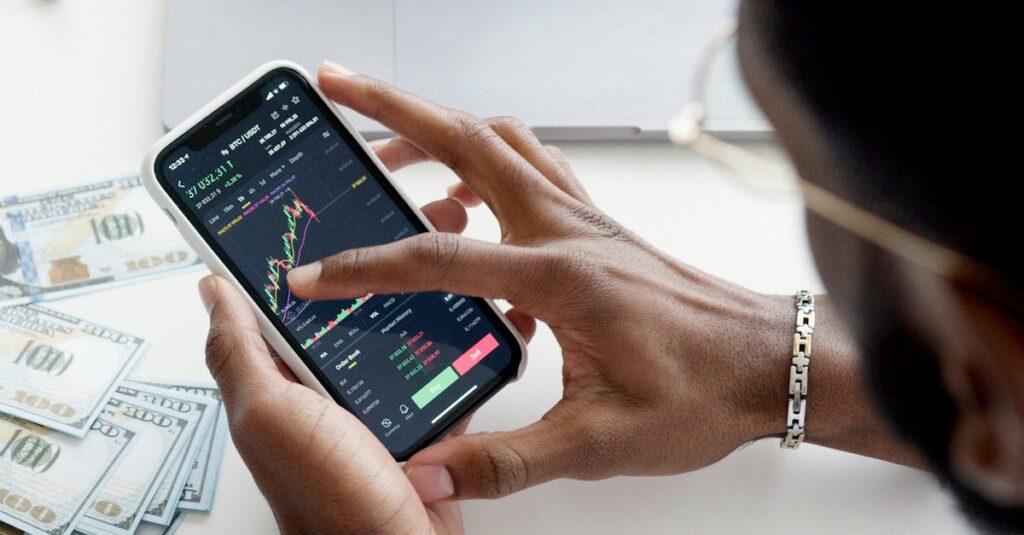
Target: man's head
878, 106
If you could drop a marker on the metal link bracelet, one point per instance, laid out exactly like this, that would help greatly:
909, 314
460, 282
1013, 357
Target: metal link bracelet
798, 369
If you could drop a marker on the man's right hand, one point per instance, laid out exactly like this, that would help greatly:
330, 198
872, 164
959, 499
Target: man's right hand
659, 358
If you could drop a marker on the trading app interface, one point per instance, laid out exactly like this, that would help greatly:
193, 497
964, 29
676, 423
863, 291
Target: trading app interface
282, 188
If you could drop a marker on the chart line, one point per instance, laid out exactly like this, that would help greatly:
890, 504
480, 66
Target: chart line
334, 200
292, 247
302, 243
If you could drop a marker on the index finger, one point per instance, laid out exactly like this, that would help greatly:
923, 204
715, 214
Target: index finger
457, 139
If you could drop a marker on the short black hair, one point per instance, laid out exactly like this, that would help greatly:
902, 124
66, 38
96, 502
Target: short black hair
901, 90
911, 97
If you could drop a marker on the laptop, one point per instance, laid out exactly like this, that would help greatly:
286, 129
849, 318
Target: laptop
572, 69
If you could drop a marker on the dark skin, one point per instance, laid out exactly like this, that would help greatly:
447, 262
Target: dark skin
714, 370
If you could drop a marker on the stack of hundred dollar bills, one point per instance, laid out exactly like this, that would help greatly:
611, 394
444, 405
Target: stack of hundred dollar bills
85, 448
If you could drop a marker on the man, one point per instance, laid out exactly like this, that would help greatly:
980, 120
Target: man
940, 350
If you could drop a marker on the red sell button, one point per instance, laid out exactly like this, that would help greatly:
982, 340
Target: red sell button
475, 354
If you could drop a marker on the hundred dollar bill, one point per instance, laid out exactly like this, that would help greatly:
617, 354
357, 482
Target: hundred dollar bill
165, 501
160, 439
202, 482
82, 238
149, 528
59, 370
48, 479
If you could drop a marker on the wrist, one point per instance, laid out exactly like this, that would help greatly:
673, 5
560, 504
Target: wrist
762, 387
839, 413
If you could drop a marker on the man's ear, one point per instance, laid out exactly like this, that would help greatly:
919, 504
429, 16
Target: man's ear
986, 379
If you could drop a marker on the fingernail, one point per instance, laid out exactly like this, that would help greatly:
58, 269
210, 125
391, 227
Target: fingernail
336, 68
304, 275
208, 292
432, 482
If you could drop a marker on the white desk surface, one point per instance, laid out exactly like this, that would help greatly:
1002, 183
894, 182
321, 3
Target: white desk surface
79, 99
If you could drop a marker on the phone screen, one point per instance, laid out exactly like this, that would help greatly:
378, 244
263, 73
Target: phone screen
273, 181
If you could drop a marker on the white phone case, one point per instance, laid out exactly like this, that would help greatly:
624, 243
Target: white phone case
194, 239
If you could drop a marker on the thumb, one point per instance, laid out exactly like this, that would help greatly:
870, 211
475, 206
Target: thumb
492, 465
236, 354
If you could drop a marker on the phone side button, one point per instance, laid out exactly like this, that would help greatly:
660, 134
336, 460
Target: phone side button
171, 217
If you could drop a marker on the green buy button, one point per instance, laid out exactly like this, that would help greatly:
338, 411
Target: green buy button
435, 387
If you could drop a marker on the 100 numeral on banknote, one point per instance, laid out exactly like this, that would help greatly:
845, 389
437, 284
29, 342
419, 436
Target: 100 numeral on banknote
77, 239
48, 479
59, 370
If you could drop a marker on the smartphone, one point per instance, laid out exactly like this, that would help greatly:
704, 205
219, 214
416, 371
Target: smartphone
270, 176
